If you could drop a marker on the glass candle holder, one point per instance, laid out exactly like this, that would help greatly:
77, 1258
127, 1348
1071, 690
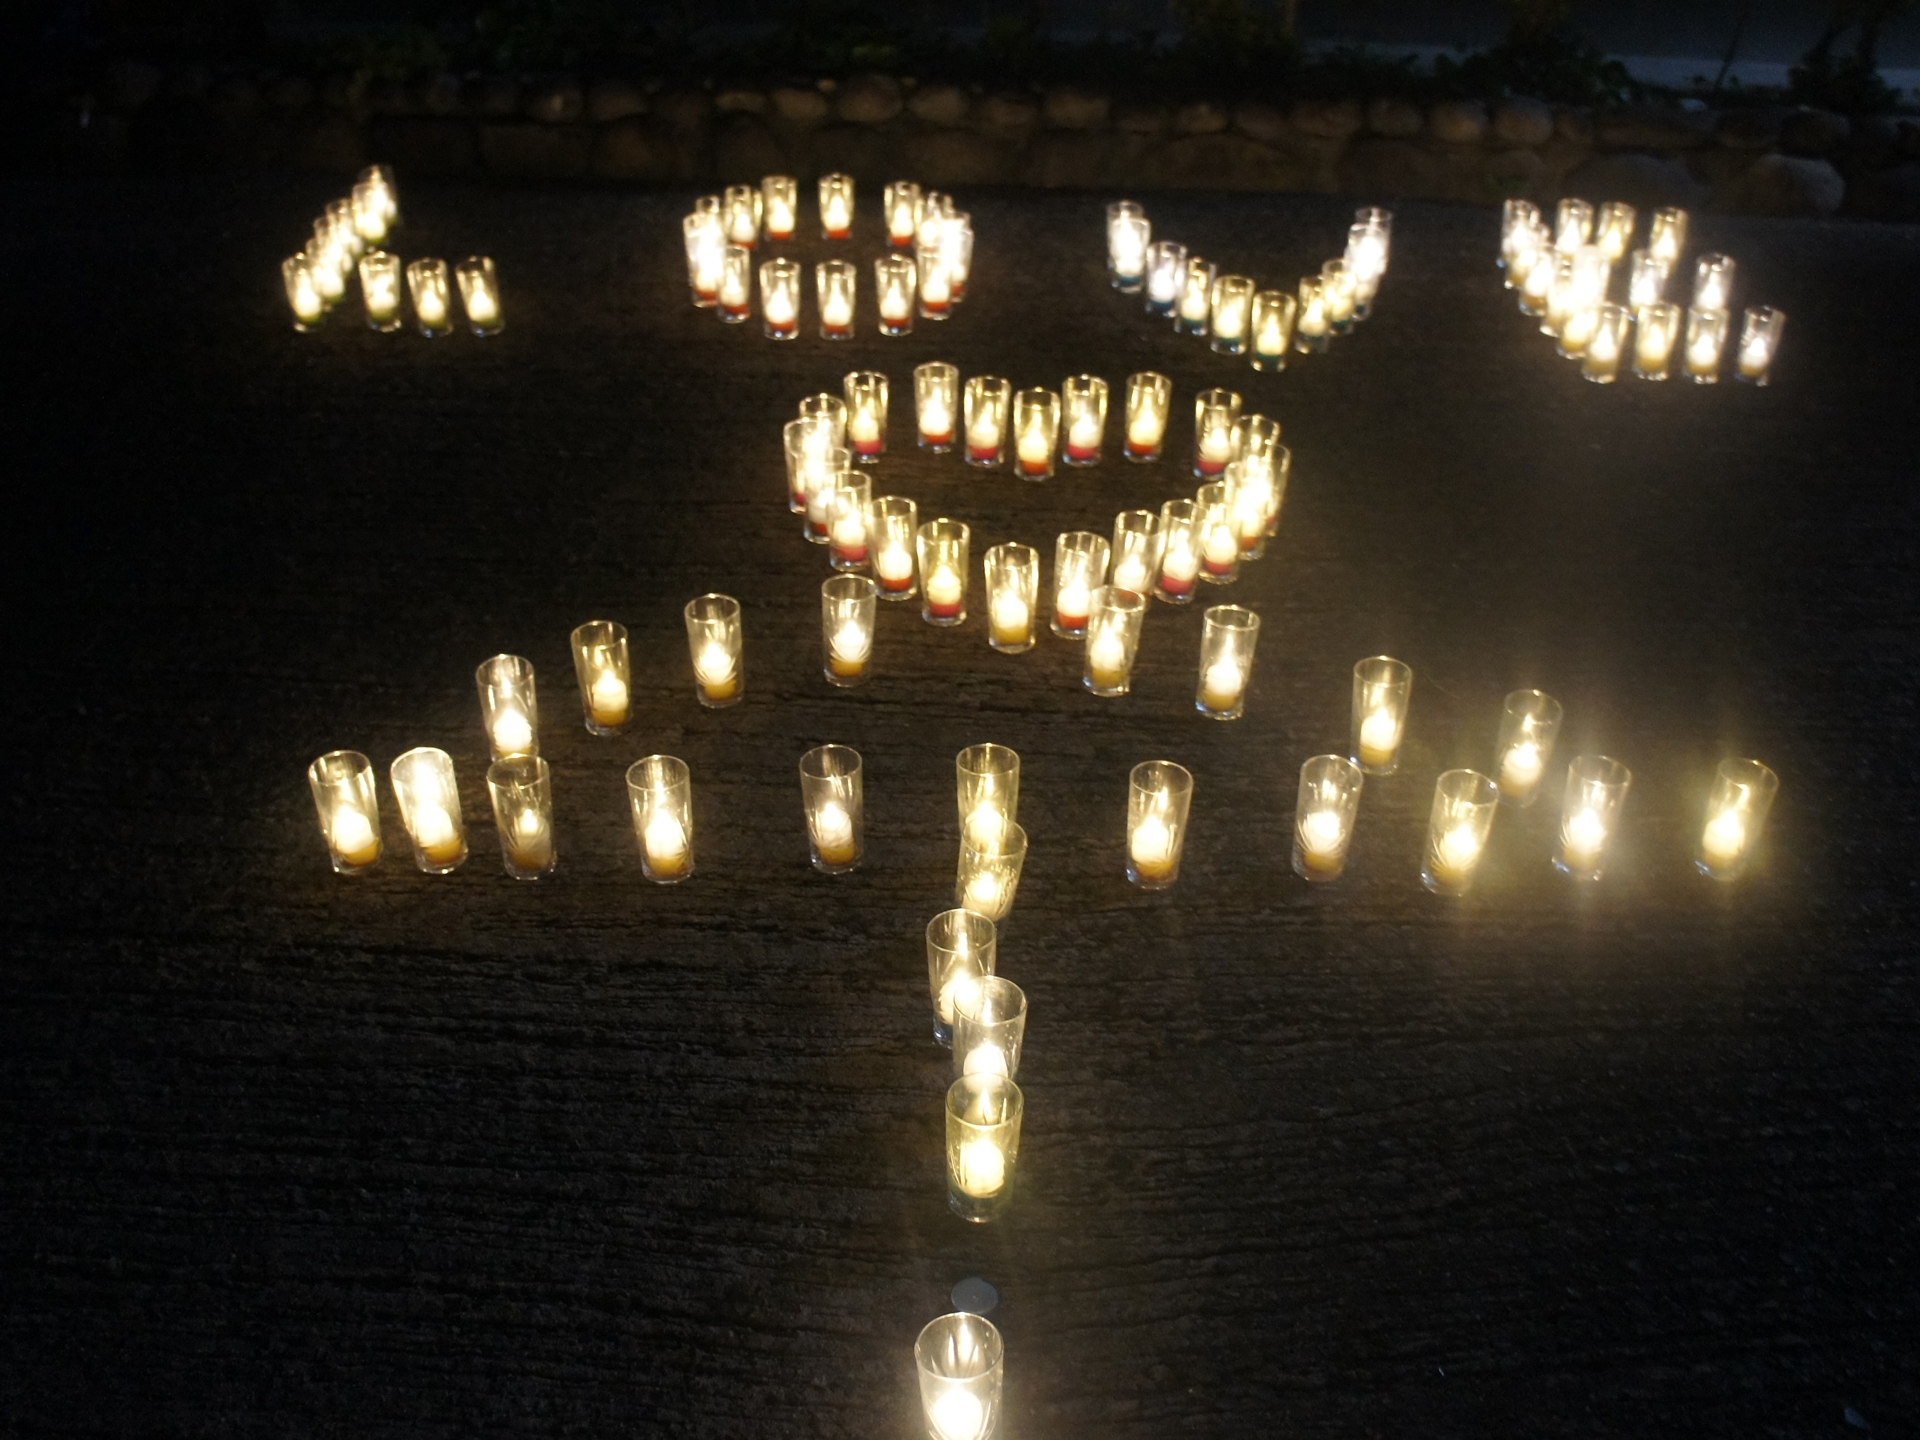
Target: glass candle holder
736, 284
1036, 432
849, 514
1313, 326
706, 245
962, 950
1591, 278
956, 249
1337, 283
1759, 341
983, 1144
780, 299
600, 663
1667, 235
714, 644
1572, 224
1713, 282
958, 1358
989, 1027
1464, 802
1517, 219
1196, 297
346, 233
325, 269
1227, 639
1013, 597
936, 404
1529, 725
1706, 338
1128, 235
821, 472
831, 411
369, 213
1646, 279
1113, 638
1083, 428
522, 791
892, 529
779, 206
660, 794
1576, 329
986, 791
989, 401
430, 290
989, 872
804, 442
740, 215
1218, 535
379, 183
830, 791
1522, 249
1656, 329
1149, 402
1159, 795
429, 796
1232, 306
1079, 566
509, 706
1743, 792
1536, 286
1590, 814
1271, 329
1136, 549
1324, 815
934, 210
1613, 229
1215, 413
846, 629
1382, 693
866, 392
303, 293
1366, 257
935, 283
1379, 218
480, 294
1179, 552
836, 283
900, 206
349, 808
1251, 493
1560, 299
1166, 272
894, 278
942, 549
836, 206
1601, 361
380, 290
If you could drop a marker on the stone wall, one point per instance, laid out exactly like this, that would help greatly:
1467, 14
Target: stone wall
1763, 160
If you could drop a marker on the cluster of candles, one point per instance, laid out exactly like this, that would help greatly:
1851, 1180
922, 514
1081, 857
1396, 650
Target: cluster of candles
1565, 273
924, 273
346, 241
1243, 319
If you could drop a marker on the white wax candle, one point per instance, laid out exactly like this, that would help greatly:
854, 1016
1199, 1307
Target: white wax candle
531, 846
713, 668
982, 1172
435, 833
837, 312
936, 419
958, 1414
1181, 562
986, 826
1012, 619
707, 271
1456, 855
1130, 572
1582, 838
896, 304
1322, 835
1161, 284
779, 217
1107, 657
1754, 355
986, 1058
512, 735
863, 427
986, 894
354, 838
608, 699
482, 307
936, 287
1193, 302
1034, 449
895, 565
665, 841
983, 435
850, 534
1070, 602
431, 306
1151, 848
1379, 738
833, 833
780, 307
1654, 345
1724, 840
1216, 446
852, 642
1703, 353
733, 290
1221, 548
1145, 429
382, 295
944, 588
1220, 687
1083, 436
1520, 769
959, 990
1270, 340
1230, 319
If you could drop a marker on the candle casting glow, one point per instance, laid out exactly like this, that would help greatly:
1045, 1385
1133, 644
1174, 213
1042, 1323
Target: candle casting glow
983, 1139
1323, 836
354, 839
1382, 690
833, 834
1595, 795
836, 206
1743, 793
1323, 816
1464, 804
522, 791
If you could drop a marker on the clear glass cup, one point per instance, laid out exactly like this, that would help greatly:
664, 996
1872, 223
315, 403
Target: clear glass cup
1382, 695
340, 223
1464, 802
989, 403
934, 210
1667, 235
1083, 425
836, 206
821, 473
379, 183
1590, 809
1190, 311
1529, 726
1613, 229
849, 514
983, 1144
962, 950
509, 705
431, 292
1522, 251
1166, 273
1113, 638
959, 1358
522, 791
942, 548
866, 392
1517, 219
1227, 639
601, 665
326, 266
1271, 330
900, 206
1591, 278
956, 249
779, 205
989, 1027
1713, 282
1337, 283
1136, 549
740, 215
936, 404
1324, 816
1219, 536
846, 629
429, 795
1577, 325
895, 281
1036, 431
1601, 361
706, 245
1232, 306
1367, 245
1572, 224
1313, 325
1536, 285
369, 212
1013, 597
345, 797
988, 876
804, 440
1128, 235
1149, 402
1159, 797
936, 284
1215, 412
831, 792
380, 290
480, 294
780, 281
986, 791
1646, 279
736, 284
1759, 341
1655, 332
714, 643
303, 293
831, 411
1706, 338
660, 795
1179, 552
836, 284
893, 529
1079, 566
1560, 297
1743, 792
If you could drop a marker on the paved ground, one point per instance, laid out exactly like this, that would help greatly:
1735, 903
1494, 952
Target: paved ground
286, 1154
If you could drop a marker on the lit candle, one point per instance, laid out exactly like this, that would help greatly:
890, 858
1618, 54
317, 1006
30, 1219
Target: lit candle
836, 311
1151, 849
782, 312
986, 825
863, 430
1070, 603
1034, 450
896, 304
1083, 436
1012, 619
302, 293
781, 207
1145, 430
849, 537
1323, 836
936, 422
1180, 564
986, 894
1379, 739
849, 648
836, 206
1216, 448
981, 1171
1195, 295
436, 834
665, 841
986, 1058
983, 435
1222, 683
1724, 841
944, 591
1655, 330
736, 290
430, 305
713, 667
380, 287
895, 567
1582, 839
936, 286
482, 307
1520, 769
607, 700
512, 735
355, 840
1130, 571
530, 846
1107, 658
1220, 550
1455, 857
958, 991
833, 834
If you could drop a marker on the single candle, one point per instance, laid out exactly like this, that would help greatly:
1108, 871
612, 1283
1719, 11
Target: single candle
659, 793
714, 645
836, 206
1382, 691
1036, 424
428, 285
936, 284
1083, 399
1113, 635
509, 705
1655, 329
437, 834
1596, 793
988, 401
833, 834
780, 299
1324, 812
892, 525
1196, 296
1013, 583
1166, 270
846, 627
1759, 341
1149, 397
1179, 551
1273, 317
607, 701
1159, 799
1229, 634
354, 838
303, 293
380, 290
1128, 235
894, 279
936, 394
521, 787
867, 396
1743, 794
480, 293
983, 1138
960, 954
1219, 541
900, 202
1464, 804
1706, 336
1232, 306
942, 546
1079, 563
736, 284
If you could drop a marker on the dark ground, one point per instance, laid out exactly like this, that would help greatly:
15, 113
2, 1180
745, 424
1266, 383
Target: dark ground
290, 1155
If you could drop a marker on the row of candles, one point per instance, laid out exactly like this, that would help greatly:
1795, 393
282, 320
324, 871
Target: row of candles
1564, 272
721, 232
1243, 318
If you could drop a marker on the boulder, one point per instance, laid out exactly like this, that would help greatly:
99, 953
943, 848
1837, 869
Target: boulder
1755, 128
1573, 126
530, 150
857, 150
1260, 121
955, 157
555, 101
1199, 117
1813, 132
1892, 194
426, 145
1648, 127
1458, 122
1395, 119
1219, 162
637, 148
798, 106
1393, 169
744, 146
1069, 107
869, 100
1783, 185
129, 84
493, 96
610, 100
1067, 159
739, 100
1524, 123
943, 105
437, 94
1647, 181
1132, 117
1327, 119
1007, 114
687, 113
1516, 174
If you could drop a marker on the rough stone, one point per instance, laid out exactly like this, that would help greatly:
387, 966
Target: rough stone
955, 157
1573, 125
1260, 121
1873, 143
743, 145
1071, 158
799, 106
1219, 162
1715, 165
857, 150
1199, 117
290, 94
493, 97
1813, 132
1069, 107
1132, 117
1516, 174
1757, 128
944, 105
1458, 122
1523, 122
610, 100
426, 145
1891, 194
1394, 169
739, 100
1327, 119
1396, 119
640, 147
1648, 181
129, 84
687, 113
1007, 114
557, 101
1784, 185
1647, 127
869, 100
438, 94
529, 150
